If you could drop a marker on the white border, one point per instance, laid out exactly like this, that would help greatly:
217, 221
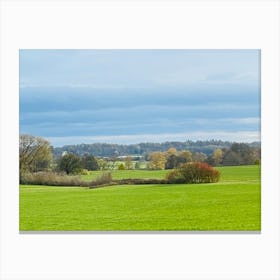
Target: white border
156, 24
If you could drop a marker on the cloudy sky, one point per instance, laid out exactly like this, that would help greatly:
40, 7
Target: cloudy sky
132, 96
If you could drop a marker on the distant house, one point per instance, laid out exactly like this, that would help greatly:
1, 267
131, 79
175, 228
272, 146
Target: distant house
64, 153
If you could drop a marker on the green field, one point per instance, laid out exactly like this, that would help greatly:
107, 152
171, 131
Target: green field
232, 204
122, 174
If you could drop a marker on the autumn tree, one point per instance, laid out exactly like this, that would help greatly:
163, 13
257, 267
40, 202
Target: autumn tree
157, 160
171, 151
35, 153
240, 154
171, 161
217, 156
231, 158
171, 158
184, 157
174, 159
245, 152
199, 157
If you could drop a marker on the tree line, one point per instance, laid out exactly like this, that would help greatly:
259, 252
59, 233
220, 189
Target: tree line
36, 154
144, 149
236, 154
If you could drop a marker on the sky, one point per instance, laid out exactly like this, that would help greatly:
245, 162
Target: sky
134, 96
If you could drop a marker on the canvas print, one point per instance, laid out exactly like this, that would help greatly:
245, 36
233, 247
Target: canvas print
139, 140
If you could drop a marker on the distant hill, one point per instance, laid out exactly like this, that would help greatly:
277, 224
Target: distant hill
141, 149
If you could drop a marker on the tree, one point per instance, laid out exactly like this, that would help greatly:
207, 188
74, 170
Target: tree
184, 157
128, 162
171, 161
199, 157
89, 162
171, 151
174, 159
70, 164
171, 158
157, 160
35, 153
245, 152
231, 158
102, 164
137, 165
112, 163
217, 156
240, 154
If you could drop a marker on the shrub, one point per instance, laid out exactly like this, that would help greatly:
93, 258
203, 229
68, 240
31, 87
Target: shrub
121, 167
140, 181
60, 179
103, 178
84, 172
50, 179
175, 177
195, 172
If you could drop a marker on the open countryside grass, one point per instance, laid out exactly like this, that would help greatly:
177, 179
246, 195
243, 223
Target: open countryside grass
228, 173
125, 174
231, 204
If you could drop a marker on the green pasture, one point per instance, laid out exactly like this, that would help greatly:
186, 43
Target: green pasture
232, 204
123, 174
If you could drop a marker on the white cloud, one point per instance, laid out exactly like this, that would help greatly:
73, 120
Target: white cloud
233, 78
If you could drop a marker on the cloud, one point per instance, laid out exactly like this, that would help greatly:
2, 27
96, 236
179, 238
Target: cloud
77, 99
126, 68
233, 78
128, 126
138, 92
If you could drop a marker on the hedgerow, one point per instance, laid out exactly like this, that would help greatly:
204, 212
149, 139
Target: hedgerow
50, 179
196, 172
60, 179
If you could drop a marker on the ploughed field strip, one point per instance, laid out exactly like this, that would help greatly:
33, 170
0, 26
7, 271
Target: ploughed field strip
231, 204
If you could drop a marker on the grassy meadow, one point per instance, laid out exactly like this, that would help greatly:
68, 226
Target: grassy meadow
123, 174
234, 203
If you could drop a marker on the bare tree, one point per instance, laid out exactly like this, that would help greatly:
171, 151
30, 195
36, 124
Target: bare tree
34, 153
128, 162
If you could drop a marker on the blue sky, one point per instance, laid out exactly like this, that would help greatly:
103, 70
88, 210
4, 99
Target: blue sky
132, 96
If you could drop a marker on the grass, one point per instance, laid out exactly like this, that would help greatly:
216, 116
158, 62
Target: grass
231, 204
125, 174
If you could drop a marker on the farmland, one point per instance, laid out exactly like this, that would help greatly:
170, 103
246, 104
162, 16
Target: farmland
231, 204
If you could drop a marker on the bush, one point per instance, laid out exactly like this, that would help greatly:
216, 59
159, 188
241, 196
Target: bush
140, 181
194, 173
50, 179
103, 178
121, 167
60, 179
175, 177
84, 172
